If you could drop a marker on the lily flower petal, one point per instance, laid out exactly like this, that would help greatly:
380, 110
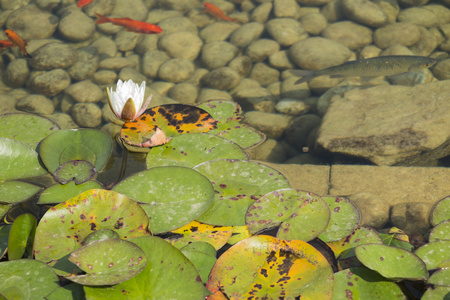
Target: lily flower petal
127, 102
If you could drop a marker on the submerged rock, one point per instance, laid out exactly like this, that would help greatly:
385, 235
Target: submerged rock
390, 125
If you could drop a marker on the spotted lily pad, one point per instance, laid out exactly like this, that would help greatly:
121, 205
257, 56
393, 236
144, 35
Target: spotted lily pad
237, 184
79, 171
64, 227
189, 150
229, 123
107, 262
440, 211
392, 262
17, 160
265, 267
58, 193
34, 279
363, 283
26, 128
168, 275
171, 196
195, 231
171, 119
434, 253
301, 215
21, 237
63, 146
344, 249
344, 219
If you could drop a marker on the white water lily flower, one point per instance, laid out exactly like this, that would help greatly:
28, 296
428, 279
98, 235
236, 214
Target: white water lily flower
127, 102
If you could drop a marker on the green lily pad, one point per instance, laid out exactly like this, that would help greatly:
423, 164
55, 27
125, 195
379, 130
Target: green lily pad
392, 262
229, 125
301, 215
344, 249
62, 146
26, 128
344, 219
4, 237
168, 275
434, 253
440, 292
440, 232
203, 256
17, 160
440, 278
34, 278
189, 150
263, 267
108, 262
64, 227
17, 191
58, 193
440, 211
237, 184
21, 237
391, 240
363, 283
12, 292
79, 171
101, 234
171, 196
71, 291
222, 110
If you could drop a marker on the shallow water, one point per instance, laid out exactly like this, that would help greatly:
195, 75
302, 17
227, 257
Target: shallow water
198, 57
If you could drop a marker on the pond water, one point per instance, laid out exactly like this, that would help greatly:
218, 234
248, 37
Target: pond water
245, 54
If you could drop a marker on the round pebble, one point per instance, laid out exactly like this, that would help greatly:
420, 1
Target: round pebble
49, 83
224, 78
87, 114
217, 54
53, 56
176, 70
37, 104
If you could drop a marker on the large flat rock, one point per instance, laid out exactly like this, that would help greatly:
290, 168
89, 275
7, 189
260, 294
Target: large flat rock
390, 125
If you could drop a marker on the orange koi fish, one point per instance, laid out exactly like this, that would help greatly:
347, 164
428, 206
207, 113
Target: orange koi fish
216, 12
83, 3
129, 24
17, 41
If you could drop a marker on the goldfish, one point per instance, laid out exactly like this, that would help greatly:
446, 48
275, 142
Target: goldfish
17, 40
371, 67
129, 24
6, 44
216, 12
83, 3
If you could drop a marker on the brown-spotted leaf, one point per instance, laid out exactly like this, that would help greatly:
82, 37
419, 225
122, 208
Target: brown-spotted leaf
264, 267
170, 119
199, 232
64, 227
